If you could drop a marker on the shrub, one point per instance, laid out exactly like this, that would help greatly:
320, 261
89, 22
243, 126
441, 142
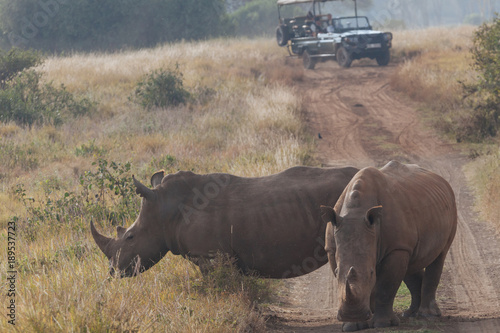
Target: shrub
27, 101
14, 62
106, 194
484, 95
161, 88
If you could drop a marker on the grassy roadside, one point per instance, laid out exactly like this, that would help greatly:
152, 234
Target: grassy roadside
434, 61
243, 118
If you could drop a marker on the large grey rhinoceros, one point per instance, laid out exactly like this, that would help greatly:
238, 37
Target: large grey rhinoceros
270, 225
389, 225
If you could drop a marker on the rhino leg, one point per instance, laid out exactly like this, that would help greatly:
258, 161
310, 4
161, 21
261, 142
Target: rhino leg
414, 284
390, 274
432, 275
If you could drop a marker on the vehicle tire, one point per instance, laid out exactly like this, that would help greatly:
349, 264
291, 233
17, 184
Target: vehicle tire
308, 61
282, 36
343, 57
384, 58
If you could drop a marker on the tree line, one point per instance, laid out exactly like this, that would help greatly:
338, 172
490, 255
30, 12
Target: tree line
60, 25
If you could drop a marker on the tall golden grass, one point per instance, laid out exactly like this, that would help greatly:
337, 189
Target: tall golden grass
432, 72
434, 60
244, 118
484, 174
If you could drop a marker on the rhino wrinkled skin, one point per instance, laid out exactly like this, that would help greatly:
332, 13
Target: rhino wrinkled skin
389, 225
270, 225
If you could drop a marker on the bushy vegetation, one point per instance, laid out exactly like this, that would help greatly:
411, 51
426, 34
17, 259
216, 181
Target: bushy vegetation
242, 119
26, 100
483, 95
14, 62
161, 88
58, 25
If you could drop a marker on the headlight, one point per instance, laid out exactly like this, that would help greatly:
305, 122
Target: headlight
387, 36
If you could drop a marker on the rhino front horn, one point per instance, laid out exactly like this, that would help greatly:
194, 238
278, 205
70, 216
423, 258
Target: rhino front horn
100, 240
349, 282
350, 295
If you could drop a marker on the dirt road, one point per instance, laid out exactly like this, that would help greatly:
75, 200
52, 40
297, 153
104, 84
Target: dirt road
363, 122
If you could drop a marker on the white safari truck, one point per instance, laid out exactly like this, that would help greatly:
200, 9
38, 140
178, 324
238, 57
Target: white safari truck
317, 35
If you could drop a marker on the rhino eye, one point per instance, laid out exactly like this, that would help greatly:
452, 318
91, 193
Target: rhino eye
130, 236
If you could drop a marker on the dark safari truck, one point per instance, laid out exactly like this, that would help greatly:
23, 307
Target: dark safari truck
317, 36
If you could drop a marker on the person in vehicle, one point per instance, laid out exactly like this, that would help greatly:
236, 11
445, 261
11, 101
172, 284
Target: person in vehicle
329, 24
316, 26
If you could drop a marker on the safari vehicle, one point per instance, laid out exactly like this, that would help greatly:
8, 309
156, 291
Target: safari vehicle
315, 37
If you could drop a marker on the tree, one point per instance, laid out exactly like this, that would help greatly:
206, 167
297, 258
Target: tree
256, 18
484, 95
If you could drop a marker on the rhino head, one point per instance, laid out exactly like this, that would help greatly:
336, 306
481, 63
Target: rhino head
142, 245
355, 236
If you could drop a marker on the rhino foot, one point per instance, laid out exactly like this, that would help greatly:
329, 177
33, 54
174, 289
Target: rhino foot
431, 311
352, 327
380, 322
410, 312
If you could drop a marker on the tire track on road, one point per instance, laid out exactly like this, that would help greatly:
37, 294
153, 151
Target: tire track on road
364, 122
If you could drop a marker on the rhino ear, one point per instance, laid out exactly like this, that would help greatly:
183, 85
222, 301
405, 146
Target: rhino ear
157, 178
374, 214
328, 215
143, 190
120, 231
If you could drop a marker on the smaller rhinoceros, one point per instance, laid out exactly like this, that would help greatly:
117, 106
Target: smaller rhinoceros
389, 225
270, 225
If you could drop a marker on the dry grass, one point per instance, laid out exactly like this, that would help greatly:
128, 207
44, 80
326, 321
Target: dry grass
484, 175
434, 62
244, 119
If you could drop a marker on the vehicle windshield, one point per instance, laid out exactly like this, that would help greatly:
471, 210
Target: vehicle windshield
349, 23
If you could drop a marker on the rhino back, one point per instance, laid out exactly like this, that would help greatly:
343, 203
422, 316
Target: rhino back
271, 224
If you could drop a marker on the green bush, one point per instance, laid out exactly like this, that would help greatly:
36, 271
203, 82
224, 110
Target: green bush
161, 88
483, 96
14, 62
106, 194
27, 101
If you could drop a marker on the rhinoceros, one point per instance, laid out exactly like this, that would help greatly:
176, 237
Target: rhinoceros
271, 225
389, 225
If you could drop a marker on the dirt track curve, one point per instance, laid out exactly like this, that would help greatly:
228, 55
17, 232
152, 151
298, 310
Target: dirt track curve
363, 122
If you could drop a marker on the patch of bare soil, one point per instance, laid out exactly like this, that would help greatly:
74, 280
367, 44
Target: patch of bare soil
363, 122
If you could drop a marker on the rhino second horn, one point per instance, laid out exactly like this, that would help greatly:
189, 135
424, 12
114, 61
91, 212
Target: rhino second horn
101, 241
351, 275
143, 190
